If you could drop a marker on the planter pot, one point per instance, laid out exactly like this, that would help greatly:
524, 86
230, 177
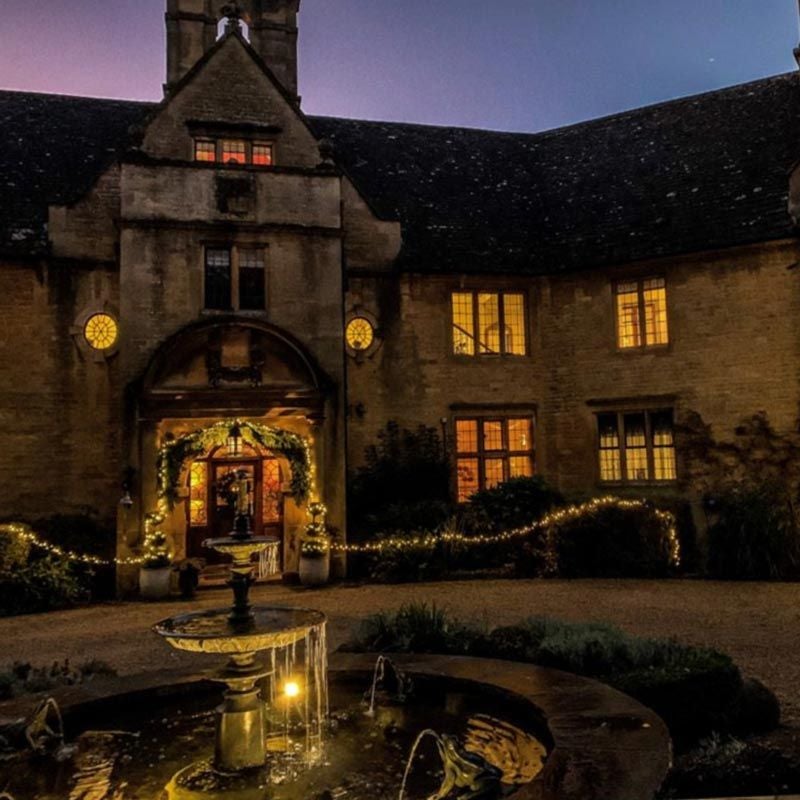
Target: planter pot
154, 584
315, 571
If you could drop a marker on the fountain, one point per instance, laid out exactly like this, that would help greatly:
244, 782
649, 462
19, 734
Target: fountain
266, 704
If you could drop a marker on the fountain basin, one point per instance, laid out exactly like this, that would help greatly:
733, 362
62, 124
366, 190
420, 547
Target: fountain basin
211, 631
240, 550
601, 743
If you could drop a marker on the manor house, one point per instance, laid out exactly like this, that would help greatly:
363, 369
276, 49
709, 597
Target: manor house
609, 305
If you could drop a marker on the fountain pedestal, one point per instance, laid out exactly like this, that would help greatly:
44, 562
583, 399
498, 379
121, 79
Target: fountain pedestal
241, 720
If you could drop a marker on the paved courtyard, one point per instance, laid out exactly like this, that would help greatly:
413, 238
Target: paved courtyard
757, 623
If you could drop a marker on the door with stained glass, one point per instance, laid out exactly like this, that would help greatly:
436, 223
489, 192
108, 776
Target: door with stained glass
210, 507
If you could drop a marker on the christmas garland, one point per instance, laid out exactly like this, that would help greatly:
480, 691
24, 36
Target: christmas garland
174, 453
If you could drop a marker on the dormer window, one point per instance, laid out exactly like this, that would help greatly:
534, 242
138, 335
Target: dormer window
262, 154
234, 151
205, 150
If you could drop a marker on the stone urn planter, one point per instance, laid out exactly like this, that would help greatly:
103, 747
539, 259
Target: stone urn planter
315, 570
154, 582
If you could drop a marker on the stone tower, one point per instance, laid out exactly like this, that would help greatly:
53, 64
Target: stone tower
192, 27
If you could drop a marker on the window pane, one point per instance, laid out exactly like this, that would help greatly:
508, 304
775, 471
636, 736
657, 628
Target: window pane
262, 155
463, 324
467, 471
198, 493
252, 293
493, 435
205, 150
520, 466
234, 151
663, 447
519, 435
272, 496
218, 279
655, 311
610, 460
636, 448
494, 472
628, 322
467, 436
514, 318
489, 323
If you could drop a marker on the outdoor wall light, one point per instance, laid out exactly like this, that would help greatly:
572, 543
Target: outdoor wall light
234, 443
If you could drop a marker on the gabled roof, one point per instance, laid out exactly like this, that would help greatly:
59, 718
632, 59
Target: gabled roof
695, 174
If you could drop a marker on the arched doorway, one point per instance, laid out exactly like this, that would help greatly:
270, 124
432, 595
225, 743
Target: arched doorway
209, 511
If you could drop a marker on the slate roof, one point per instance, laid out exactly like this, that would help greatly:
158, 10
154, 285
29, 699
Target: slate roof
694, 174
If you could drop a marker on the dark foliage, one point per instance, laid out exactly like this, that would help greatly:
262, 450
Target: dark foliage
513, 504
31, 582
403, 485
611, 542
755, 533
725, 767
696, 691
84, 533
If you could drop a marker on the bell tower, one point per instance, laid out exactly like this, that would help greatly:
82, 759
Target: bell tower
192, 27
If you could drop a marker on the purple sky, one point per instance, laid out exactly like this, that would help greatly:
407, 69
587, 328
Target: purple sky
504, 64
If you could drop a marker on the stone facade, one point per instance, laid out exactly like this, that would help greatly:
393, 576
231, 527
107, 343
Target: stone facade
133, 245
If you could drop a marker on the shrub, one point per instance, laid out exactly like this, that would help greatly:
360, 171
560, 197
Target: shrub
755, 534
694, 690
404, 563
404, 469
612, 541
44, 584
415, 628
513, 504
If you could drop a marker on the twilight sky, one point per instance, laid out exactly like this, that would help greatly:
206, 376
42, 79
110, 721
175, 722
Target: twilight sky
502, 64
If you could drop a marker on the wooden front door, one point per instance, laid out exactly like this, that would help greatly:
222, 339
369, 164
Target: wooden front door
211, 515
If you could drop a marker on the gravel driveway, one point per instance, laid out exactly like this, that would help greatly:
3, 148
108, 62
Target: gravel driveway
756, 623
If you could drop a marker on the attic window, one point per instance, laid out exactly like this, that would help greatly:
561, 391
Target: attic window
205, 150
234, 151
262, 154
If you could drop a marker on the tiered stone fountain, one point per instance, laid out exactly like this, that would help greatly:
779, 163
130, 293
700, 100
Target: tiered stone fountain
274, 710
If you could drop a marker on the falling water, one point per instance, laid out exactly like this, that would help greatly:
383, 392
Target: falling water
412, 757
378, 675
298, 722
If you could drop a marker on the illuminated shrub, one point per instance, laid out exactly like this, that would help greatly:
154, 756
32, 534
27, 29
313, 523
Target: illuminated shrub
615, 540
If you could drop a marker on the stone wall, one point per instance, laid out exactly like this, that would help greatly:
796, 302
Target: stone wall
733, 352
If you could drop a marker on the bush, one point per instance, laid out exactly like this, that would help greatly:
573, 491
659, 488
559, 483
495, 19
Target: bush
404, 563
755, 535
694, 690
31, 582
611, 541
513, 504
404, 470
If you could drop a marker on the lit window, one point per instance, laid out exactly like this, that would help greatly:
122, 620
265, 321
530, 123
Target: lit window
272, 494
489, 323
234, 151
205, 150
642, 313
490, 451
252, 279
101, 331
198, 494
636, 447
262, 154
359, 334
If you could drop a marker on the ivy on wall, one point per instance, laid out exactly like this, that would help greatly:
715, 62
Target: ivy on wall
174, 454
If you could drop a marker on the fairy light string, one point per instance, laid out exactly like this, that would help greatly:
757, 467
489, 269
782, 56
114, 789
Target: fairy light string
567, 514
561, 515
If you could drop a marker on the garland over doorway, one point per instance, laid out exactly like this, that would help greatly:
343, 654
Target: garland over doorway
174, 453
